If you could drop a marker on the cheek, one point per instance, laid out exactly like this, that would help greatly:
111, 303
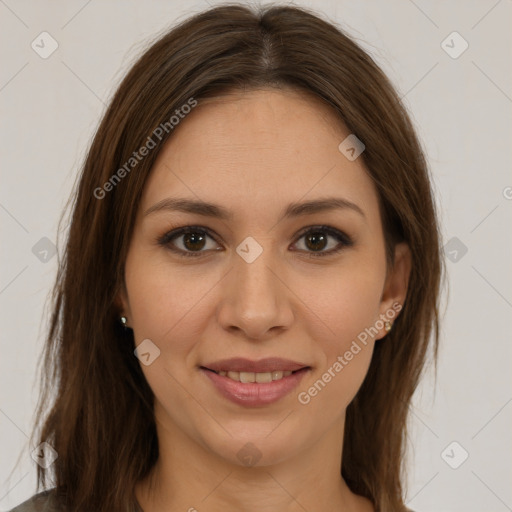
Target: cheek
329, 392
348, 306
345, 303
349, 310
165, 304
167, 307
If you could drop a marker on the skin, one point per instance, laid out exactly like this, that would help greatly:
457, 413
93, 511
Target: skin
254, 153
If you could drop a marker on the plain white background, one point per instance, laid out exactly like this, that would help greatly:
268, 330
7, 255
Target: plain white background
462, 109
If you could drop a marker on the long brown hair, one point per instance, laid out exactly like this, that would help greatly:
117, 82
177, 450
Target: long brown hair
95, 406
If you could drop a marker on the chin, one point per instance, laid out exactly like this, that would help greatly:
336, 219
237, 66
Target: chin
254, 447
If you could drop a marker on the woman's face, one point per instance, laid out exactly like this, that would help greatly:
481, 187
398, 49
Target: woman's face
266, 280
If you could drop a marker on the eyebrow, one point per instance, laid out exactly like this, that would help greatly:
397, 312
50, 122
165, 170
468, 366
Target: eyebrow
212, 210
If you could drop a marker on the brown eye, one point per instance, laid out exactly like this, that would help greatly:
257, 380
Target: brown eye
317, 239
187, 241
193, 241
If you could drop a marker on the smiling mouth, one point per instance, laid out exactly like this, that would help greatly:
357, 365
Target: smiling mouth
258, 377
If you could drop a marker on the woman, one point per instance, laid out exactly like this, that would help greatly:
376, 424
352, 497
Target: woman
250, 284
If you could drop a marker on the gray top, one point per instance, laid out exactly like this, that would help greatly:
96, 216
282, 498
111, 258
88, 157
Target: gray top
42, 502
45, 502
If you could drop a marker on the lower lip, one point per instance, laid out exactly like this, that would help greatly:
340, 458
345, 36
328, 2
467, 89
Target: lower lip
253, 394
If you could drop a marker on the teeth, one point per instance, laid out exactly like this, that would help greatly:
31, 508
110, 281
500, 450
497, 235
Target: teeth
255, 377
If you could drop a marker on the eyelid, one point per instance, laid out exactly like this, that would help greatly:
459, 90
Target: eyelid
165, 239
168, 236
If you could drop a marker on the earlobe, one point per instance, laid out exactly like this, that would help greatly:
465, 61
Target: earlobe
123, 309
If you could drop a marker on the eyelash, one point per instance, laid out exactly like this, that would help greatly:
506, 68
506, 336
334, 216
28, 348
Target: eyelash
165, 240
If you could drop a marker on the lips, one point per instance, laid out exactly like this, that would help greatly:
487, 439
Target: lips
268, 365
255, 394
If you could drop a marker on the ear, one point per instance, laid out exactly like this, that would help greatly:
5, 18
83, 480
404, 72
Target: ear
121, 302
396, 285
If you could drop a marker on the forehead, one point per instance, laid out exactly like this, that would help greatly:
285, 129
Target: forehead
264, 147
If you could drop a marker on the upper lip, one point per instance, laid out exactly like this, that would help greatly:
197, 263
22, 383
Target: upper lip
269, 364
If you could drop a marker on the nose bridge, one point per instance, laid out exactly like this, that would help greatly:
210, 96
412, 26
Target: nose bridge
256, 298
256, 279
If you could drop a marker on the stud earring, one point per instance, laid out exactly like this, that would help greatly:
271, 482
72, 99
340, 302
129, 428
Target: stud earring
388, 326
123, 321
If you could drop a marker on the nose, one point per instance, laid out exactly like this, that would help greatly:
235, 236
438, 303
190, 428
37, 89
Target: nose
256, 301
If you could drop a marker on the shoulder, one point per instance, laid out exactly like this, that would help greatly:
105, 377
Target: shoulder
41, 502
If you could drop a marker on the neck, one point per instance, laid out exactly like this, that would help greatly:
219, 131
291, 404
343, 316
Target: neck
189, 477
